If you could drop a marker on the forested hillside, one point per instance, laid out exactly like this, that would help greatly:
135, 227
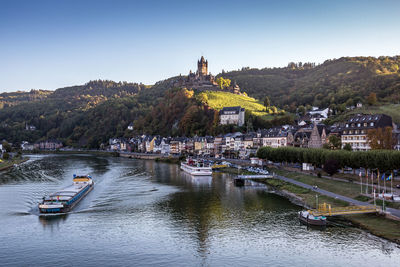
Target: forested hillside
72, 113
87, 115
332, 83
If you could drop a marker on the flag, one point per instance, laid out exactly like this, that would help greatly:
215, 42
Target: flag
383, 177
389, 178
359, 174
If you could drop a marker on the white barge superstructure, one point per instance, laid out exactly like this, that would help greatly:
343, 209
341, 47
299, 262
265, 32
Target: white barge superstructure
64, 200
196, 167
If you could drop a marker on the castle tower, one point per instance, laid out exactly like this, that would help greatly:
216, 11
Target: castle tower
202, 67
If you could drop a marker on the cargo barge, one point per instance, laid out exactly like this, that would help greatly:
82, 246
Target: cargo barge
66, 199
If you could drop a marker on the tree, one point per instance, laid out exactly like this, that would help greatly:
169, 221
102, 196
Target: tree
380, 138
267, 102
372, 99
6, 156
301, 110
331, 166
334, 142
203, 98
347, 147
6, 146
349, 102
223, 83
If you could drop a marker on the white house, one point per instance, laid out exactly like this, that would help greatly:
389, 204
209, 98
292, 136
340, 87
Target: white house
232, 115
318, 115
165, 147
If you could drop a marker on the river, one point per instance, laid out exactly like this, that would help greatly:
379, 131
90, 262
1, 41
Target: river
145, 213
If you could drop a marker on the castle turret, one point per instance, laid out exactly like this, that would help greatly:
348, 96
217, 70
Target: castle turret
202, 67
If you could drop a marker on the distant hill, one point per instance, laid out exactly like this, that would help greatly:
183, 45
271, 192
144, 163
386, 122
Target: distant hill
16, 98
333, 82
72, 113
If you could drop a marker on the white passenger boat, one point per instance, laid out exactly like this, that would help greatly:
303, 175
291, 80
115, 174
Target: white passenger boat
306, 217
64, 200
196, 167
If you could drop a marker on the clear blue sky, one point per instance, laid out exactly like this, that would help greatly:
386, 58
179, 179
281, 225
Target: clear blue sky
52, 44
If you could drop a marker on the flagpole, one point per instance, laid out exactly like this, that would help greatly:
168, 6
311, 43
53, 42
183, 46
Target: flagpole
374, 198
391, 183
372, 181
366, 179
378, 177
384, 183
360, 181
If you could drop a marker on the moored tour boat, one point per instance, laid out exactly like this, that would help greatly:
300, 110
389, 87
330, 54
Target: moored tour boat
196, 167
64, 200
306, 217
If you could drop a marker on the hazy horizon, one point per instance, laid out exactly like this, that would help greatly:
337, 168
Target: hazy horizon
49, 45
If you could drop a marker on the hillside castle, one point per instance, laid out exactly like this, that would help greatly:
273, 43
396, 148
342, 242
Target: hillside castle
202, 80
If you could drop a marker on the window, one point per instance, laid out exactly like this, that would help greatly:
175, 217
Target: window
350, 132
344, 132
356, 131
371, 124
358, 124
365, 124
347, 125
352, 125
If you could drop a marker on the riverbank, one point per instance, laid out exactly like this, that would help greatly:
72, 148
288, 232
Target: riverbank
375, 224
6, 164
68, 152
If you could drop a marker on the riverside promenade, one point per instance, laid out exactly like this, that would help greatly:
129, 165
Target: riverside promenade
394, 212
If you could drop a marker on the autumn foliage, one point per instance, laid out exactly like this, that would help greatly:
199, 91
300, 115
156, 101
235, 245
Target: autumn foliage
380, 138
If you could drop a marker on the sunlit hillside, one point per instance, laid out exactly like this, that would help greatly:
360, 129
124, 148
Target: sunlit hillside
218, 100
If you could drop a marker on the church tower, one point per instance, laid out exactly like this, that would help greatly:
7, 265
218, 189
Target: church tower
202, 67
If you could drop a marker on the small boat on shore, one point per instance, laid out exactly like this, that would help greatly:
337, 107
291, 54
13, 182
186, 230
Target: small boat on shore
196, 167
306, 217
66, 199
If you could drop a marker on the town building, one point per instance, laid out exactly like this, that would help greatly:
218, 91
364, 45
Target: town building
51, 144
356, 128
277, 137
317, 137
232, 115
314, 136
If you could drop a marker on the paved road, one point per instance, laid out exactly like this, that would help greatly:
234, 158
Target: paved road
394, 212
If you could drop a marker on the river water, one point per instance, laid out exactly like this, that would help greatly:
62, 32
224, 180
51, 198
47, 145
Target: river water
144, 213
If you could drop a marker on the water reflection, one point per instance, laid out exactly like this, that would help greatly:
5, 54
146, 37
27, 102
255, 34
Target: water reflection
150, 213
197, 181
51, 221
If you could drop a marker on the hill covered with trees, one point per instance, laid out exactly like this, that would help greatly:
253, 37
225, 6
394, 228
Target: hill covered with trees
88, 115
72, 113
335, 82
